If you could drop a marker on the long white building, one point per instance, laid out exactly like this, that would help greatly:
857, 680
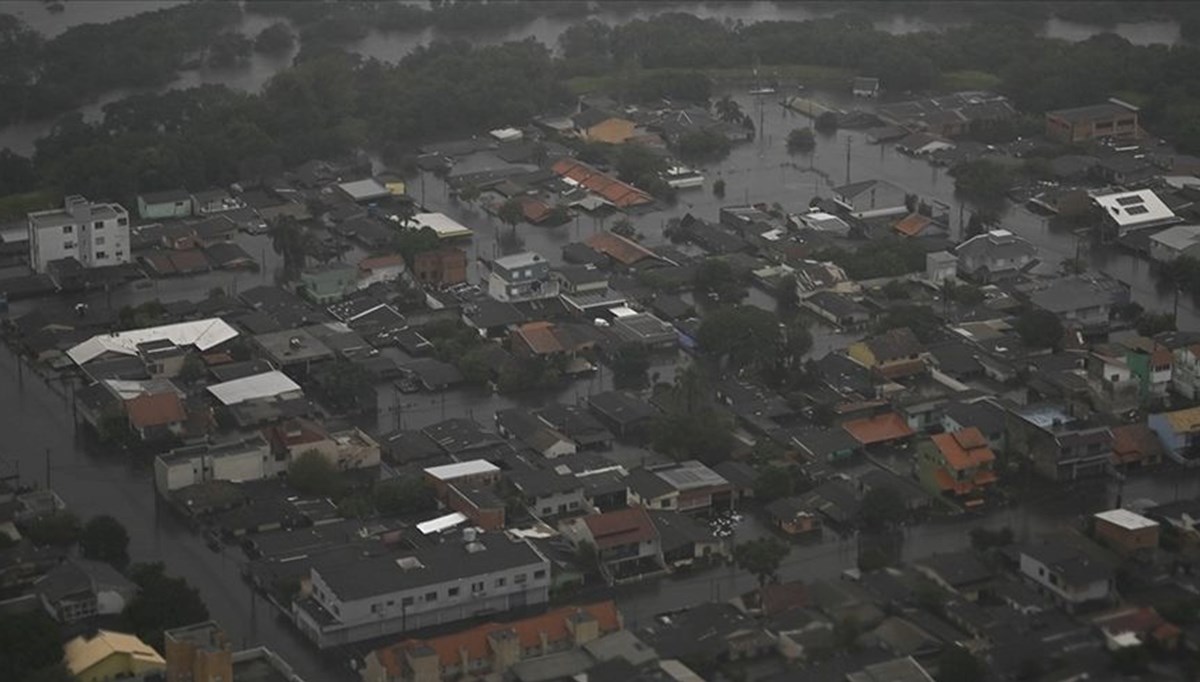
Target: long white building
94, 234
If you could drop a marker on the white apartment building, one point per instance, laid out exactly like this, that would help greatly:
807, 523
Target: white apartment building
94, 234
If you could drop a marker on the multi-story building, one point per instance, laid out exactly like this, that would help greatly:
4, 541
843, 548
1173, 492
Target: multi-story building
96, 235
1113, 118
626, 542
354, 598
1066, 574
521, 277
442, 267
1125, 532
198, 653
1185, 375
958, 464
1179, 433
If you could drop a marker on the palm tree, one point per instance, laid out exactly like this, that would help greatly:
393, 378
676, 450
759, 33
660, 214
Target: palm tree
287, 239
729, 110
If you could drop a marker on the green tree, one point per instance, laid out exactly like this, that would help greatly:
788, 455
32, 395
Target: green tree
469, 193
772, 483
957, 664
404, 495
624, 227
510, 213
275, 39
105, 539
729, 110
881, 508
59, 529
895, 290
717, 278
312, 474
29, 643
1151, 324
344, 386
761, 558
703, 146
193, 369
982, 180
630, 365
287, 239
162, 602
57, 672
801, 140
690, 426
1039, 328
742, 336
984, 538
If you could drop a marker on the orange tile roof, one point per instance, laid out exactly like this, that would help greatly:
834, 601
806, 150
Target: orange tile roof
618, 193
620, 527
612, 130
535, 210
155, 409
912, 224
390, 260
878, 429
624, 251
474, 641
540, 338
1134, 442
964, 449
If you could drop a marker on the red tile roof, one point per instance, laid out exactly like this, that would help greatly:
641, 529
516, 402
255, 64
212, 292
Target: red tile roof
540, 338
964, 449
912, 224
878, 429
620, 527
388, 261
535, 210
474, 641
624, 251
155, 409
617, 193
1134, 443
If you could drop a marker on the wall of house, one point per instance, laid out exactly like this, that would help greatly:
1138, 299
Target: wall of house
1185, 373
1124, 540
1052, 583
177, 474
247, 465
165, 211
558, 503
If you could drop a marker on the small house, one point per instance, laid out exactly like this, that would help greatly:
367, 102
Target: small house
865, 86
793, 516
1125, 532
175, 203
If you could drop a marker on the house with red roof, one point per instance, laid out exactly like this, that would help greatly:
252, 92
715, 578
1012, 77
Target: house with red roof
492, 648
959, 464
608, 188
156, 415
625, 541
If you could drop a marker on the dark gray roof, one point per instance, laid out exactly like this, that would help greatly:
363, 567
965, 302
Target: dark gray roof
895, 344
541, 482
677, 530
75, 576
575, 422
1075, 567
459, 435
168, 196
838, 305
580, 274
621, 407
434, 373
363, 577
822, 443
957, 569
487, 313
985, 414
1091, 112
648, 485
955, 358
844, 374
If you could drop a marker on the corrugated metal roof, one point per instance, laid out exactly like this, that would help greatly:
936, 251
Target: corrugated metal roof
254, 387
203, 334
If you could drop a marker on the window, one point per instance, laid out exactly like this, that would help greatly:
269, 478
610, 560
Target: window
101, 254
539, 574
407, 601
546, 510
476, 588
452, 592
118, 254
431, 596
98, 241
68, 245
68, 229
520, 578
574, 505
391, 602
500, 582
98, 225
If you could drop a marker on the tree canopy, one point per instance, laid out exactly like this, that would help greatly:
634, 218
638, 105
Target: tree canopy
162, 602
761, 558
29, 644
312, 474
105, 539
1039, 328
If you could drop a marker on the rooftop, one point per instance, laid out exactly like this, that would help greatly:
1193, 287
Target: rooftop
442, 224
690, 475
1126, 519
878, 429
1092, 112
82, 653
519, 260
203, 334
475, 467
1141, 207
254, 387
620, 527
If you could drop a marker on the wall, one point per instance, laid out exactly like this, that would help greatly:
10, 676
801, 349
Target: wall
177, 473
1124, 540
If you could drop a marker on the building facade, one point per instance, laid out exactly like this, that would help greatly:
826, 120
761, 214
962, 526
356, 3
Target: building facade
96, 235
521, 277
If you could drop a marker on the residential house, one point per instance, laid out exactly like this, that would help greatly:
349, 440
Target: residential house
1179, 433
364, 191
442, 267
686, 541
1135, 446
822, 221
871, 198
627, 415
1060, 447
1067, 574
156, 415
521, 277
916, 225
625, 541
645, 330
1125, 532
887, 427
174, 203
893, 354
824, 445
93, 234
812, 276
548, 494
864, 86
344, 450
210, 201
612, 191
250, 459
377, 269
949, 115
958, 464
940, 267
471, 473
961, 573
328, 283
1149, 365
1112, 119
482, 506
619, 250
575, 423
1124, 212
793, 516
445, 227
994, 255
107, 655
354, 598
1185, 370
533, 433
683, 486
837, 309
1173, 242
905, 669
1083, 301
77, 589
594, 125
983, 414
492, 648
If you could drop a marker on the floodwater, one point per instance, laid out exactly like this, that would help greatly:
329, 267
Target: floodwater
392, 46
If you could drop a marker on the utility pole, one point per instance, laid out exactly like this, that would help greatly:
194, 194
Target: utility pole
47, 468
848, 139
1175, 310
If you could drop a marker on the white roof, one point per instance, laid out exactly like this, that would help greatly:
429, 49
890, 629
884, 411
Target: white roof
448, 472
1126, 519
441, 523
362, 190
1134, 208
203, 334
622, 311
505, 134
255, 387
445, 226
